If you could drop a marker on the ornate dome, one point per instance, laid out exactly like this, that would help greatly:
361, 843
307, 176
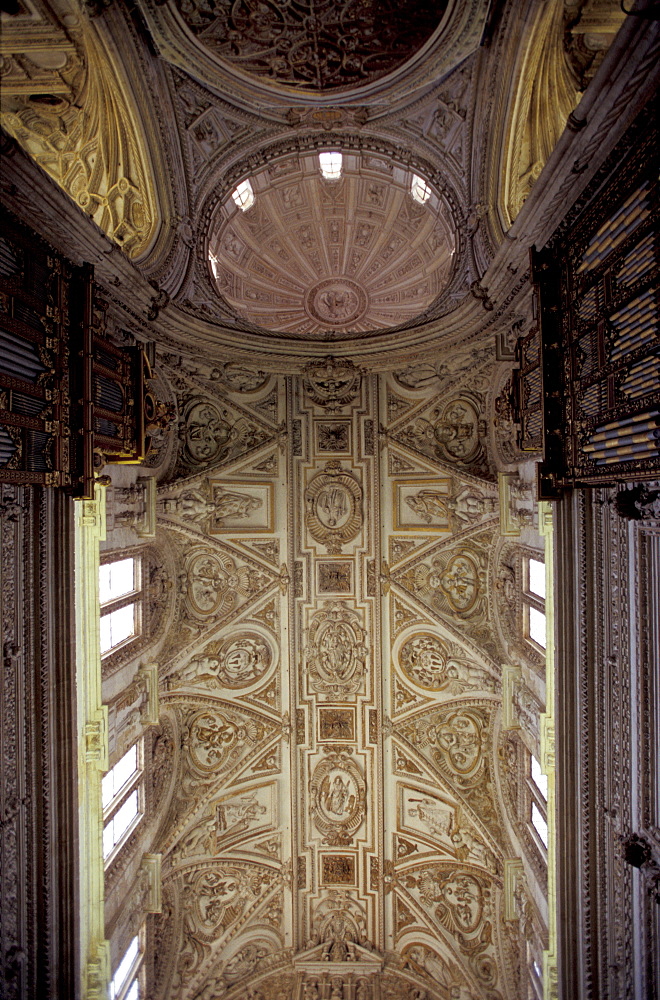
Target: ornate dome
320, 258
323, 46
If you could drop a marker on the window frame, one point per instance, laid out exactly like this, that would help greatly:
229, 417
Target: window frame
244, 188
530, 600
331, 173
134, 973
133, 597
420, 189
135, 782
534, 797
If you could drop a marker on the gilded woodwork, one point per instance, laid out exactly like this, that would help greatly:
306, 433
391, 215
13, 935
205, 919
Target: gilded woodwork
565, 46
66, 100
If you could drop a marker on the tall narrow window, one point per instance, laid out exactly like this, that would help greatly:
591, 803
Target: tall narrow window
538, 800
120, 599
124, 984
534, 602
121, 795
330, 164
420, 190
243, 195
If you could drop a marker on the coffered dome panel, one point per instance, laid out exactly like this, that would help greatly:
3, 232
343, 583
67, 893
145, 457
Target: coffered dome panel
321, 258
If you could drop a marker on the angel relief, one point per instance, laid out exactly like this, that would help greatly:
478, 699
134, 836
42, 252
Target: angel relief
213, 736
432, 664
338, 794
236, 662
336, 652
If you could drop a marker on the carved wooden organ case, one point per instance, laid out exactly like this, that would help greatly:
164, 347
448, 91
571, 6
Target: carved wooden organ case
72, 395
590, 373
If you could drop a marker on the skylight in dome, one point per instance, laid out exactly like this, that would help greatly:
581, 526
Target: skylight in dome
330, 164
244, 196
420, 190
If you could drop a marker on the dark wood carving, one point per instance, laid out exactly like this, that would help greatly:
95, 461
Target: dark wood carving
599, 319
71, 399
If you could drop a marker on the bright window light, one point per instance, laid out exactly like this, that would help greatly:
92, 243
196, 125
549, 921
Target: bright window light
539, 824
117, 776
244, 196
116, 579
420, 190
539, 778
116, 627
537, 578
124, 968
133, 993
537, 626
330, 165
116, 827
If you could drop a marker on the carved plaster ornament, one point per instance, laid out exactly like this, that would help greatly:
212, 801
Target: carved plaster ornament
217, 897
339, 918
213, 582
206, 432
84, 132
333, 507
453, 582
231, 503
336, 654
213, 735
432, 664
331, 383
428, 505
338, 798
235, 662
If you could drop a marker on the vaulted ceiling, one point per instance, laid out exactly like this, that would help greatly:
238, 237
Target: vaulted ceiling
337, 779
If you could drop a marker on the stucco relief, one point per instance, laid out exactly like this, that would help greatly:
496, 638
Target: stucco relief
238, 661
333, 507
331, 383
452, 582
275, 42
340, 920
336, 653
461, 901
337, 798
453, 432
214, 583
435, 664
211, 433
213, 735
217, 897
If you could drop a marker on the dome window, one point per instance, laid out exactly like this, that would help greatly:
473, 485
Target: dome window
420, 190
330, 164
244, 196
